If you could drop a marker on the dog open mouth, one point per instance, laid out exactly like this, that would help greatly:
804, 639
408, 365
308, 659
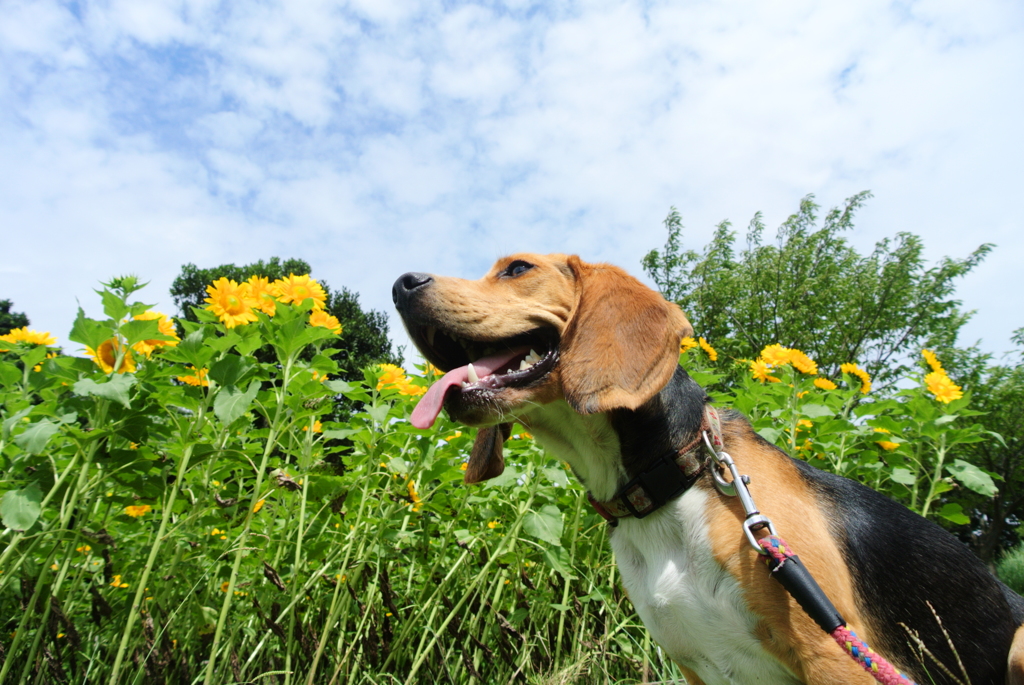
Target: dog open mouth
477, 371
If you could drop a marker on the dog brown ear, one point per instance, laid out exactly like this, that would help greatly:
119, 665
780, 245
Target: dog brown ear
487, 459
1015, 663
622, 344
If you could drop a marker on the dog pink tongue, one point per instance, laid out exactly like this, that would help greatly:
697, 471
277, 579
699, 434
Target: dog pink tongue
425, 413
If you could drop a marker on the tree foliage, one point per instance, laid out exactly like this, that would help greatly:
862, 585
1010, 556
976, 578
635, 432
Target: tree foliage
999, 395
10, 320
364, 340
813, 291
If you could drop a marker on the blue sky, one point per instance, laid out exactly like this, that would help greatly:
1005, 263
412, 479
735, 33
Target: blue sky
375, 137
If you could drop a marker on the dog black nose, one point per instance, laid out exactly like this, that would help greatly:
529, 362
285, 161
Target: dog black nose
407, 285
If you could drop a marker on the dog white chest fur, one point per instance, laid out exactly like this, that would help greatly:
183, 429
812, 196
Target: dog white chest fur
692, 607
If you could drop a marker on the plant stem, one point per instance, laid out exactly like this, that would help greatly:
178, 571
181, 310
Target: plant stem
272, 436
168, 510
936, 476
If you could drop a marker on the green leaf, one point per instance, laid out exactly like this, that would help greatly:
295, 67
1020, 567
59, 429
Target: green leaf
11, 420
815, 411
903, 476
191, 350
148, 329
770, 434
557, 476
321, 486
113, 305
379, 412
224, 342
972, 477
251, 340
399, 465
229, 370
34, 438
19, 509
339, 434
324, 364
231, 402
509, 476
89, 332
9, 374
545, 524
953, 513
340, 387
34, 356
115, 389
558, 559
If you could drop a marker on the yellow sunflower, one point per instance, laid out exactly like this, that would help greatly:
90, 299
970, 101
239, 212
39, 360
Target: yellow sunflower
417, 503
232, 302
137, 510
932, 360
263, 292
687, 344
775, 355
198, 379
106, 356
761, 371
406, 387
297, 289
711, 352
166, 327
854, 370
824, 384
942, 387
24, 335
392, 375
318, 317
802, 362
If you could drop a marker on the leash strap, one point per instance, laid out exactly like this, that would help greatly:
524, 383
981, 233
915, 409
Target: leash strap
794, 576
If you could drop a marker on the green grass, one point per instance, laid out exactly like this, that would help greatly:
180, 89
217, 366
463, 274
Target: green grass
1011, 569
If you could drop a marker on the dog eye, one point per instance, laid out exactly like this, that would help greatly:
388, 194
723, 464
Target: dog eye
516, 268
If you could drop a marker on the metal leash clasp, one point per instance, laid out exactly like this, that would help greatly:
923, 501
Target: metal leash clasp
754, 520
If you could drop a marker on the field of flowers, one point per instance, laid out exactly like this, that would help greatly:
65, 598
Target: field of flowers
189, 505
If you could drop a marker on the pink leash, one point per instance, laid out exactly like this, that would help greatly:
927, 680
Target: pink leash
781, 554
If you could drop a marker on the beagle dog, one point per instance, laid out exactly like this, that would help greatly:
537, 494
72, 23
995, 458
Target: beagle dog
586, 357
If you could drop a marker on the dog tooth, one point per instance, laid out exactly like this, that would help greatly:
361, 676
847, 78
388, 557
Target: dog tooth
473, 378
431, 332
523, 365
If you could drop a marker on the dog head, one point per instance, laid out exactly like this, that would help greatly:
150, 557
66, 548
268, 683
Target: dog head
534, 329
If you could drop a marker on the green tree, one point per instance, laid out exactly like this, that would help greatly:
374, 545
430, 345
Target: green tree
364, 339
997, 392
10, 320
813, 291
